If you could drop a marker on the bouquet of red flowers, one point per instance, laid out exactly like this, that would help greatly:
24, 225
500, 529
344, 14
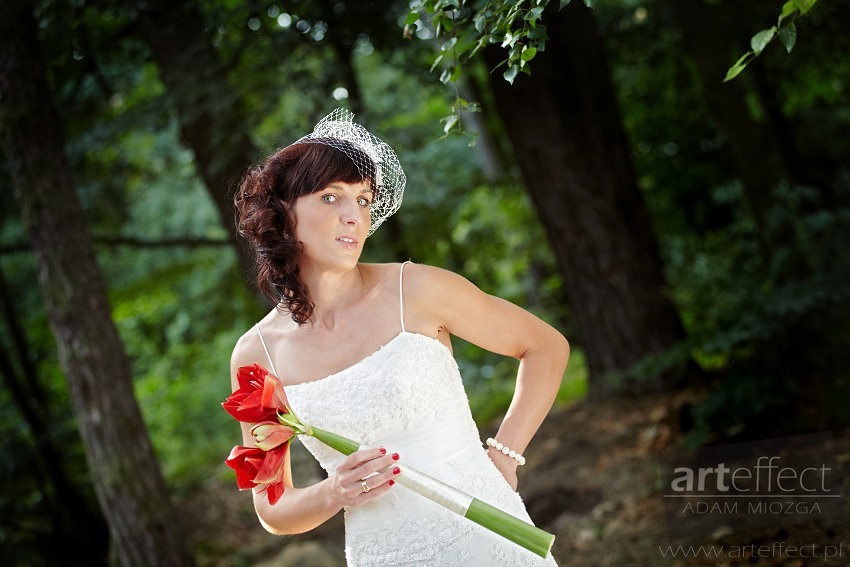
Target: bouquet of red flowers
261, 401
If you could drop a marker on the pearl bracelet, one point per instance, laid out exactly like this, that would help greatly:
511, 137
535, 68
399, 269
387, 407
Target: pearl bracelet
506, 450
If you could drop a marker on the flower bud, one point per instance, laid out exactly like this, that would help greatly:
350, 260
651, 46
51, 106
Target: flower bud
269, 434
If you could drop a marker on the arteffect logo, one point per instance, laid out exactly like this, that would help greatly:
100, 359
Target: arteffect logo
771, 481
766, 483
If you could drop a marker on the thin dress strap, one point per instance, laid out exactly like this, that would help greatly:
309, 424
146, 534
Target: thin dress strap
265, 348
401, 294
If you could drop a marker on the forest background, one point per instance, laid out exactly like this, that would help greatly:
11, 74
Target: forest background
688, 235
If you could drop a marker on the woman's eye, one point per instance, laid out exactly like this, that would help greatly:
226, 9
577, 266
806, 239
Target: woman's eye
328, 198
363, 202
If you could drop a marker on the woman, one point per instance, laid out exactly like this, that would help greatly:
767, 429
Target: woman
364, 351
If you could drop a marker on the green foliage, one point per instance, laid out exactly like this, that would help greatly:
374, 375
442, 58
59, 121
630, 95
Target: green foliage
464, 28
785, 29
775, 344
744, 307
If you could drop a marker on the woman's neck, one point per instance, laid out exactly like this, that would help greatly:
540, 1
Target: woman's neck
332, 293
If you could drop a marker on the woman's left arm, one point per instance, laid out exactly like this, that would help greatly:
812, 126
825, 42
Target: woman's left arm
458, 307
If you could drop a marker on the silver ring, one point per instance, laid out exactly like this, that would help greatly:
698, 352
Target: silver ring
365, 486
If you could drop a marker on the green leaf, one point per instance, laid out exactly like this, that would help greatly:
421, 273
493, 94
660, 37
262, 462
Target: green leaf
411, 18
449, 44
590, 3
444, 25
511, 73
437, 61
787, 9
514, 54
449, 122
528, 53
564, 4
805, 5
480, 44
445, 5
446, 75
761, 39
534, 14
788, 36
480, 21
739, 66
538, 35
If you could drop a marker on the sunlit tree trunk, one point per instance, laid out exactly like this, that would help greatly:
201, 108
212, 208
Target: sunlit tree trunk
210, 111
129, 485
565, 127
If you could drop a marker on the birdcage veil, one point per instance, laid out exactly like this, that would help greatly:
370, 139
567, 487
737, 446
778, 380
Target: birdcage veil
374, 159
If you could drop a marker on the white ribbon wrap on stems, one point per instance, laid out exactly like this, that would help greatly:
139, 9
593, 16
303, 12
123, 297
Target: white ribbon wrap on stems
447, 496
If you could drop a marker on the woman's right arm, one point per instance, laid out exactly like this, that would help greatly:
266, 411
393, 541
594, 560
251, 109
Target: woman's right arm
301, 509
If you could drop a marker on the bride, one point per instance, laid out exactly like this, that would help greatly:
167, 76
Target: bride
364, 350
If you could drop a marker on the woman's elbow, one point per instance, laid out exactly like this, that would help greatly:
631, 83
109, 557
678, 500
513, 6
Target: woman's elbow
270, 528
279, 530
560, 347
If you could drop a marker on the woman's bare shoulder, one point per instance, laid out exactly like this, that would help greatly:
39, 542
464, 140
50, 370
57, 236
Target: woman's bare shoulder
430, 282
383, 275
249, 347
414, 273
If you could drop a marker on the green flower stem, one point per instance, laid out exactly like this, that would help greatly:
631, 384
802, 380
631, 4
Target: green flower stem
342, 444
522, 533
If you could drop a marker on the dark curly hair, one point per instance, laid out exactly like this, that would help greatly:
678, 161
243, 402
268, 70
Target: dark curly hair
264, 216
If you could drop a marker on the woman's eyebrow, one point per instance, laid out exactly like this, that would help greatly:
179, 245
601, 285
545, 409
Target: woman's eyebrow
341, 188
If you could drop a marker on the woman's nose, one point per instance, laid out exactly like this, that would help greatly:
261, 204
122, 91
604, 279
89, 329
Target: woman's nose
351, 215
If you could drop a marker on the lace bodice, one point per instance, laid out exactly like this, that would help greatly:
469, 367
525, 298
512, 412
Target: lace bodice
408, 397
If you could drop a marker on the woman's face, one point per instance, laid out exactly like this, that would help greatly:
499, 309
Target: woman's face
332, 224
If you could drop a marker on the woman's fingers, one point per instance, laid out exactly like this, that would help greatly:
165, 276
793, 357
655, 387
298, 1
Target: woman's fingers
363, 463
375, 485
366, 474
361, 457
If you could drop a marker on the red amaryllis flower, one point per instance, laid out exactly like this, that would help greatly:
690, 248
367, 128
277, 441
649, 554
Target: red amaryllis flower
255, 467
259, 398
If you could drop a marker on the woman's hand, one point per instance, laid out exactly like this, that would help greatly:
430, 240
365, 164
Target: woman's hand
506, 466
363, 476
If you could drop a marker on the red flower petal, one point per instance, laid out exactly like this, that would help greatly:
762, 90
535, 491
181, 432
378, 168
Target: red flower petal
272, 469
274, 492
251, 377
259, 397
246, 461
273, 395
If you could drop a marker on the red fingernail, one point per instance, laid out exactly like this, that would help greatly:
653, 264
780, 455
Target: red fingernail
382, 450
391, 482
396, 457
396, 470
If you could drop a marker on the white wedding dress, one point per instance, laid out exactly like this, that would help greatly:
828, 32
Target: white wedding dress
408, 397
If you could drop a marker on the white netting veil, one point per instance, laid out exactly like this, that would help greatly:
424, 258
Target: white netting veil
374, 159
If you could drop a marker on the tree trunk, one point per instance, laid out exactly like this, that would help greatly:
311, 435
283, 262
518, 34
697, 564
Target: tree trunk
75, 520
210, 112
756, 153
763, 150
129, 485
565, 127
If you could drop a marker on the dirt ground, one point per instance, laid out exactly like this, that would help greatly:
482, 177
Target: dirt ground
596, 477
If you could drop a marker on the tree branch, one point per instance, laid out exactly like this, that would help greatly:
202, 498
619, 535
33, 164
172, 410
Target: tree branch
131, 242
